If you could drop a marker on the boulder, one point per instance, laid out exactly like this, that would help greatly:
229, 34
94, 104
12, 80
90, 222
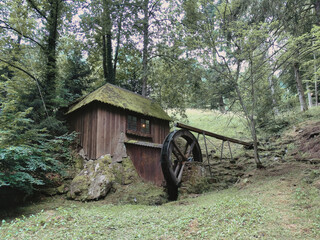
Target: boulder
94, 181
98, 177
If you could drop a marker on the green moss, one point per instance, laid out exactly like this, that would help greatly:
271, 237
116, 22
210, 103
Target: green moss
106, 159
132, 141
78, 163
129, 172
118, 173
50, 191
122, 98
61, 189
82, 179
125, 172
141, 193
80, 182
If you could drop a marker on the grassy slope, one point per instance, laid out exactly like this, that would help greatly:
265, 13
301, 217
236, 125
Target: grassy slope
274, 203
229, 124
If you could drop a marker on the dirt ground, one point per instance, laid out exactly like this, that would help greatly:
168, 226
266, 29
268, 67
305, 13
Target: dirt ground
307, 139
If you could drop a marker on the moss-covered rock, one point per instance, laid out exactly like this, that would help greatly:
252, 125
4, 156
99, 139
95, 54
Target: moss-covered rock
129, 172
142, 193
50, 191
124, 172
62, 189
98, 177
79, 188
194, 178
94, 181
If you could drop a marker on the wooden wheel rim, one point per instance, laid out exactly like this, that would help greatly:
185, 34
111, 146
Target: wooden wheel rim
173, 157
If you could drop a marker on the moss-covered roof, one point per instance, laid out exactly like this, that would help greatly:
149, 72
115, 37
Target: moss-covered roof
122, 98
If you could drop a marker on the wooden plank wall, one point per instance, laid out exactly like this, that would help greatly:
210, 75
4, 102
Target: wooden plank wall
85, 123
110, 124
100, 126
147, 162
159, 130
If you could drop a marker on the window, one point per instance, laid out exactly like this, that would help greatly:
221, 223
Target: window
145, 126
138, 126
132, 123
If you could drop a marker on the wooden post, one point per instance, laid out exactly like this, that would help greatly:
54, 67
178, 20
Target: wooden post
205, 143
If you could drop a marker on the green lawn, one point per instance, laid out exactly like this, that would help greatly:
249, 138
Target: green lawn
229, 124
265, 207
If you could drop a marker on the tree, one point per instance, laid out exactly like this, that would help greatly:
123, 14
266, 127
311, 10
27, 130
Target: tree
20, 19
236, 39
145, 54
105, 23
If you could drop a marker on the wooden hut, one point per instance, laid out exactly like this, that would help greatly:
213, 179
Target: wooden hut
112, 120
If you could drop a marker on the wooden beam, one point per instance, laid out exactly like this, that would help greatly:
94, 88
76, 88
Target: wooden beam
211, 134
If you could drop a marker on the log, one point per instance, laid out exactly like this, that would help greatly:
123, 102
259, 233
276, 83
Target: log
211, 134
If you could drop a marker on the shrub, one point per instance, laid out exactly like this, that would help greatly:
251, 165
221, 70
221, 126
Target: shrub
24, 167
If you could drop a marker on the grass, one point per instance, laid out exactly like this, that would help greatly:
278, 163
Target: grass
270, 208
229, 124
287, 120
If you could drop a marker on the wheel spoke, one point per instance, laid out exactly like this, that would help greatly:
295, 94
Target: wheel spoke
180, 173
176, 154
177, 169
179, 151
186, 148
190, 149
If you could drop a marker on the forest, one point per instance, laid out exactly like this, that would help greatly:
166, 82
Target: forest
257, 58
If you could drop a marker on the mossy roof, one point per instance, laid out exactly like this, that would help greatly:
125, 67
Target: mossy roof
121, 98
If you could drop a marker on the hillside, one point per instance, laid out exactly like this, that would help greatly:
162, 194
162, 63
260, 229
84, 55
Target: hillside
281, 201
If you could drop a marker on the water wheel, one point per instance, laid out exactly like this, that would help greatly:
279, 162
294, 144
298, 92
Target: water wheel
178, 148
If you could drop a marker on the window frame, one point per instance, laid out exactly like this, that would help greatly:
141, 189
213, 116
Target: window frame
139, 121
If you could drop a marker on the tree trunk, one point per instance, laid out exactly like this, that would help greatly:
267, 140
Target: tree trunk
49, 85
107, 43
317, 13
104, 58
309, 96
109, 58
117, 48
315, 79
145, 47
316, 92
316, 4
300, 89
252, 126
250, 119
222, 106
255, 143
273, 96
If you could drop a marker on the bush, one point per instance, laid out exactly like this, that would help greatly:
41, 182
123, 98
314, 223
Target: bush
24, 167
29, 151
